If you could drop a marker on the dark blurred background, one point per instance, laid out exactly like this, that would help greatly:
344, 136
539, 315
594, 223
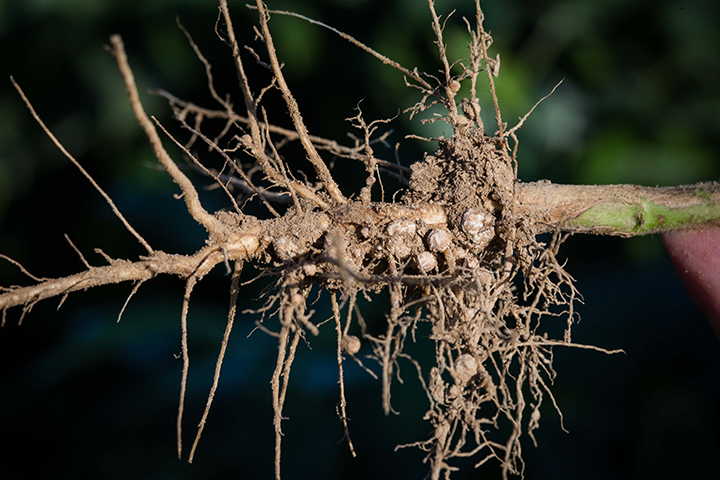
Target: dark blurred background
84, 397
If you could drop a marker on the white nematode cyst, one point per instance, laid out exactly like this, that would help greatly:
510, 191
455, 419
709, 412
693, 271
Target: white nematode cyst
439, 240
351, 344
287, 248
399, 247
478, 225
426, 262
466, 367
401, 228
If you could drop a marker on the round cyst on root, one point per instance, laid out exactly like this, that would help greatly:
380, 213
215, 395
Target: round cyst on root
466, 367
310, 269
402, 228
439, 240
426, 262
478, 225
351, 344
286, 248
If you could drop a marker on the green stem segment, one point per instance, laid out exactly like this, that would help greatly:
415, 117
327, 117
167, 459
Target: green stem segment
623, 210
646, 217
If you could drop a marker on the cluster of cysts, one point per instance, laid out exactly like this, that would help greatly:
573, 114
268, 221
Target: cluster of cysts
440, 244
428, 244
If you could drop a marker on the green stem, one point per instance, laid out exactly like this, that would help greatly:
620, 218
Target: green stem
623, 210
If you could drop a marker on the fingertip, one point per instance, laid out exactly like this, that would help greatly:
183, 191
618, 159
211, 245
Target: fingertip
696, 257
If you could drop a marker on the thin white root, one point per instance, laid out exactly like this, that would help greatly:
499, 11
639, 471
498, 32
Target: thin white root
82, 170
234, 289
190, 284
